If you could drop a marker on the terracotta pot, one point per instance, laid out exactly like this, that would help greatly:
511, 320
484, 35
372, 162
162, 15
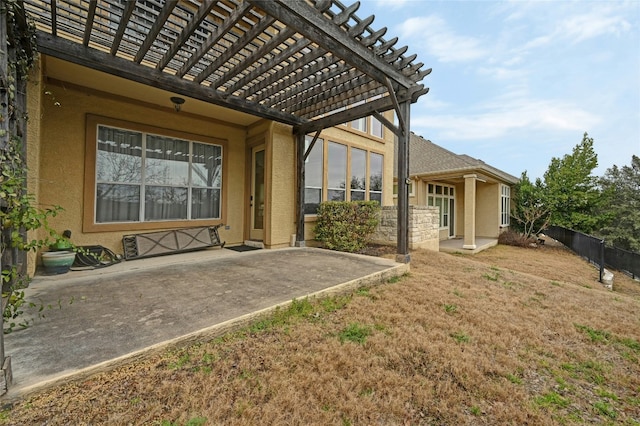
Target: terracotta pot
57, 262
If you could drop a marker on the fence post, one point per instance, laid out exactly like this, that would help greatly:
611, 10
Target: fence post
601, 259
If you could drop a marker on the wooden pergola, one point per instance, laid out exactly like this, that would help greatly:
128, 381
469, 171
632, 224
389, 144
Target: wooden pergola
309, 64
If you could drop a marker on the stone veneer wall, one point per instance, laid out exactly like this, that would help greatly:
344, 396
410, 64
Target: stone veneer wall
424, 224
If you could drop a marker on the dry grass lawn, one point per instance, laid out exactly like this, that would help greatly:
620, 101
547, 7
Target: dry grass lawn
509, 336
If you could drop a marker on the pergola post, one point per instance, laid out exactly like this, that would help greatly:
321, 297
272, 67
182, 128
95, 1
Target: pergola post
5, 373
300, 151
402, 255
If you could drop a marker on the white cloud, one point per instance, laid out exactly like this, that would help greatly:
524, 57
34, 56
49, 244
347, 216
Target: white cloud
584, 27
502, 73
570, 22
498, 121
440, 40
432, 102
391, 4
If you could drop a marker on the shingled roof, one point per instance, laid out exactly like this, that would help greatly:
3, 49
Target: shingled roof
429, 159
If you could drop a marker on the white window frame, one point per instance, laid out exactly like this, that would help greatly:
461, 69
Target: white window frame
505, 205
432, 195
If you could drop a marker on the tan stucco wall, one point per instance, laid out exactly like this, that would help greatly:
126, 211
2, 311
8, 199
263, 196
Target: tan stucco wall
487, 209
62, 155
34, 105
282, 205
57, 145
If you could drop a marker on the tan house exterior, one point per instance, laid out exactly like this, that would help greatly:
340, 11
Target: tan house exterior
473, 197
151, 116
68, 104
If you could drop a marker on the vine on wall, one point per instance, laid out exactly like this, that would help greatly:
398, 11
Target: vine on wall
19, 212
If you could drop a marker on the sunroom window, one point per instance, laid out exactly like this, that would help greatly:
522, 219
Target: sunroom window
338, 172
358, 174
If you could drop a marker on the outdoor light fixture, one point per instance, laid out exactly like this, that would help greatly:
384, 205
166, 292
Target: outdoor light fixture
177, 102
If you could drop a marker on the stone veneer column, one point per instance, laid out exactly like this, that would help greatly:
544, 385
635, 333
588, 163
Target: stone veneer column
470, 212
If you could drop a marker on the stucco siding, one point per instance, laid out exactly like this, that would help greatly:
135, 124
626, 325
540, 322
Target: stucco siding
488, 210
34, 123
62, 155
283, 187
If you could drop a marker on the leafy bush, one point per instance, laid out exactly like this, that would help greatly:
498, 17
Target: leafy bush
346, 226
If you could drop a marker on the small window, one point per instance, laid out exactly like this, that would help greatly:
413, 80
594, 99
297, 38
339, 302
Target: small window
361, 123
376, 128
395, 189
505, 205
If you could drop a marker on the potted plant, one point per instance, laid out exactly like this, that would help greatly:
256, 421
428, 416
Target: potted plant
61, 255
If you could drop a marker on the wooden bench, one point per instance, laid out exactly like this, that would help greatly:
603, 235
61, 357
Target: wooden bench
181, 240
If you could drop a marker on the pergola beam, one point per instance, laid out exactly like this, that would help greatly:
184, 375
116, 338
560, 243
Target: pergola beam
120, 67
91, 13
124, 20
360, 111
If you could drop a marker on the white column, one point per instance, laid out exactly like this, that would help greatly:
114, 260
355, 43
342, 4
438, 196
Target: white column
469, 212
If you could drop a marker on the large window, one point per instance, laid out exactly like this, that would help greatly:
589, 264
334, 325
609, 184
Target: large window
147, 177
313, 177
505, 205
337, 172
358, 174
375, 177
441, 196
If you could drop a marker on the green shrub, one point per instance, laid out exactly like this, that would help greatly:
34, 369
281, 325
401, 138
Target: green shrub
346, 226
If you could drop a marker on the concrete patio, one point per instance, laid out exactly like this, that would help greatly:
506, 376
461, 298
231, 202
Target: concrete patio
454, 245
101, 318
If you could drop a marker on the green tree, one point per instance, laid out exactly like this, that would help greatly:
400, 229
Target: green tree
530, 213
572, 194
621, 190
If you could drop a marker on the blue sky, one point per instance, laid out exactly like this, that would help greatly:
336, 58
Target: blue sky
515, 83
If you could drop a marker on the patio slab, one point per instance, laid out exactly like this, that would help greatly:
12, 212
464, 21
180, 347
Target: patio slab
455, 245
102, 318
